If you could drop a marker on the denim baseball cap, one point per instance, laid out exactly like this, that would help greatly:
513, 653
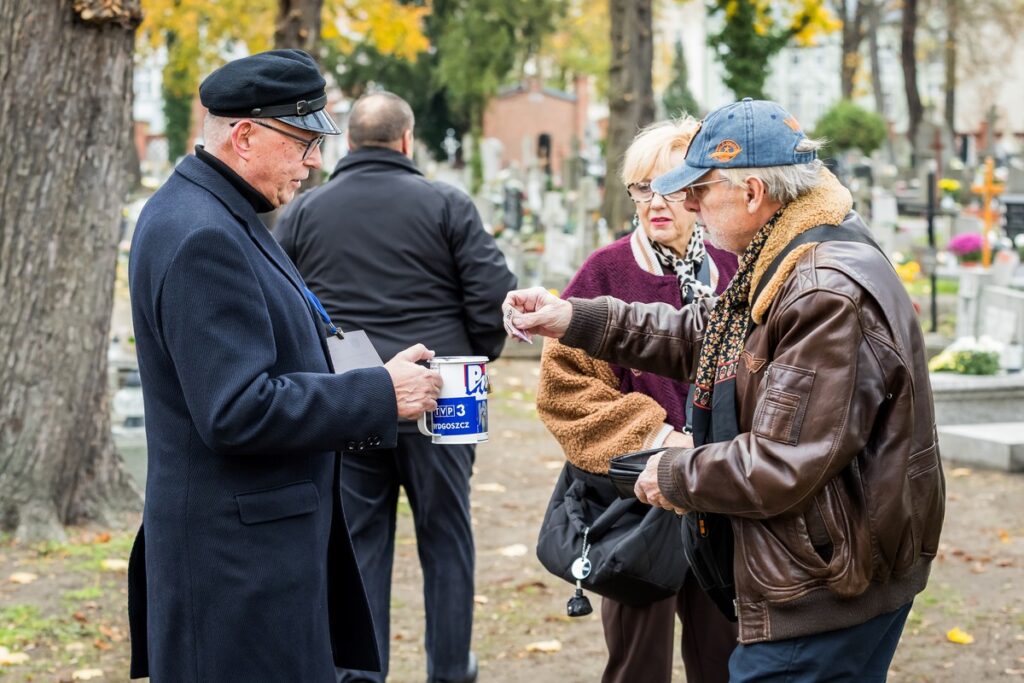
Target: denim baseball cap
745, 134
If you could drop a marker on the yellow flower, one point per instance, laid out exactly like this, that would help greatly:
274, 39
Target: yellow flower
908, 271
949, 185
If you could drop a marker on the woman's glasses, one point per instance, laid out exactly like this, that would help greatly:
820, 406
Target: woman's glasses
642, 192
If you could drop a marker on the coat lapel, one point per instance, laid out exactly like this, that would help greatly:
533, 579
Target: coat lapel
213, 182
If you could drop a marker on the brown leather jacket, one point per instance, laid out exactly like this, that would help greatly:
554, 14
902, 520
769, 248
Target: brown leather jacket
834, 485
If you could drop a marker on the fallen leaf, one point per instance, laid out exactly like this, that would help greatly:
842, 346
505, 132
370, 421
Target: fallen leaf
23, 577
112, 632
79, 617
102, 538
489, 488
101, 645
75, 647
8, 657
958, 636
114, 564
481, 599
552, 618
514, 550
979, 568
1004, 536
960, 472
547, 646
87, 674
531, 584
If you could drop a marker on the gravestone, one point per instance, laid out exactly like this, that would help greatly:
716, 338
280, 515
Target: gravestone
1002, 314
1014, 214
560, 243
998, 446
490, 152
884, 218
968, 300
450, 145
964, 223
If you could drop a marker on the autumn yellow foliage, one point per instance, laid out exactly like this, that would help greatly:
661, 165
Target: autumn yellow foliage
200, 35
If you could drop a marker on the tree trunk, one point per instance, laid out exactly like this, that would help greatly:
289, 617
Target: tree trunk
950, 85
915, 111
853, 35
630, 98
298, 26
65, 107
874, 24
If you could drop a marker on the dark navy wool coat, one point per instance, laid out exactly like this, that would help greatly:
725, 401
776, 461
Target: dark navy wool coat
243, 569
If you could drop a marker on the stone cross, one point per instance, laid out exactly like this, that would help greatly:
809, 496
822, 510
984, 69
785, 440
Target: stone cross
450, 145
988, 190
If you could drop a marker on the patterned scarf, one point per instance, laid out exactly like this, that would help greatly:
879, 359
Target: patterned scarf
687, 267
714, 403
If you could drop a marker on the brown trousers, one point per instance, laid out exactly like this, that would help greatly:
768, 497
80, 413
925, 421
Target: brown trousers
640, 639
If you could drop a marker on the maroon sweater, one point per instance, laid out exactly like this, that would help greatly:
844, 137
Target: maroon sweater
613, 271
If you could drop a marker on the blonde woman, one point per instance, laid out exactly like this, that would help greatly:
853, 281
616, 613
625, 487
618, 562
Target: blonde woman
597, 410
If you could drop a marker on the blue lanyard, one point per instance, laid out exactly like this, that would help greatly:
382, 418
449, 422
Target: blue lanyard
311, 297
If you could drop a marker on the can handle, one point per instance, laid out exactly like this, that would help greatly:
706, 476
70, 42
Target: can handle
421, 424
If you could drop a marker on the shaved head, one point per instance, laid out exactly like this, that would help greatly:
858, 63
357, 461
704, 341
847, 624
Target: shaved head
379, 119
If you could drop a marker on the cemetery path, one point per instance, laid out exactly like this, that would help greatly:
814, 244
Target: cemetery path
69, 615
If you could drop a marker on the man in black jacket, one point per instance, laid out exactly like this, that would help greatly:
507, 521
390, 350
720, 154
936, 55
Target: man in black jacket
403, 258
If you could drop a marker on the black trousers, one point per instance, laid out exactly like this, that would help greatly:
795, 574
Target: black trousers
641, 643
436, 481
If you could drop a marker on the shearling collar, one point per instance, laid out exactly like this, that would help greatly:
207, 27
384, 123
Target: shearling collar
827, 204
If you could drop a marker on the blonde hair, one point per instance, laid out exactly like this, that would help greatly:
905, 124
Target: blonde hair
650, 153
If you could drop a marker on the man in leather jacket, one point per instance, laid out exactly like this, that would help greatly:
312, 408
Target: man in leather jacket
813, 419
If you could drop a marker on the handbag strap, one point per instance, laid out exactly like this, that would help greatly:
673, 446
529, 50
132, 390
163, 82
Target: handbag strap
574, 506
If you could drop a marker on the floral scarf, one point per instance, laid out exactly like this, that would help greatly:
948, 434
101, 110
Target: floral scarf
714, 399
686, 267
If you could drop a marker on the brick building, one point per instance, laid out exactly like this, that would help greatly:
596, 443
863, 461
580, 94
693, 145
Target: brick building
538, 121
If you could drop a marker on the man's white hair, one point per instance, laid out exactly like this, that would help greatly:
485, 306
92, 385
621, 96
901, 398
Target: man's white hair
216, 131
782, 183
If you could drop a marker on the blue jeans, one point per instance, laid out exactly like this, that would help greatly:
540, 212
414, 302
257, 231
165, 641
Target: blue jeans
859, 654
436, 481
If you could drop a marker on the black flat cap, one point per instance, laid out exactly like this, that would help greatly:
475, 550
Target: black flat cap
279, 84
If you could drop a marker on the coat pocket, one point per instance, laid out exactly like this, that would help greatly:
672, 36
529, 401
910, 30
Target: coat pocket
781, 409
267, 505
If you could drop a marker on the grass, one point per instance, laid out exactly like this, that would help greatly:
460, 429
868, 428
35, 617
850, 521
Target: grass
22, 626
84, 594
922, 286
87, 554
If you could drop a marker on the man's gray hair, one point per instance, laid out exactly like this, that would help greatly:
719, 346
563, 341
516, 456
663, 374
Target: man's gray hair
216, 131
783, 183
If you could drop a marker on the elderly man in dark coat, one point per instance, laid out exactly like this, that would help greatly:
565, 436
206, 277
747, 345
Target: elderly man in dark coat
244, 570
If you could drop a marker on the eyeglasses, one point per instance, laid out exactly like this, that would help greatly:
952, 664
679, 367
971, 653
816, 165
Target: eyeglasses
642, 192
310, 144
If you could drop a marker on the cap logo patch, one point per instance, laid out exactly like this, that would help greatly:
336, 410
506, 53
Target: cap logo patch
792, 123
727, 150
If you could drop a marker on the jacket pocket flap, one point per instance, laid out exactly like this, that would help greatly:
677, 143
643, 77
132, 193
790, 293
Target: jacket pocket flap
291, 500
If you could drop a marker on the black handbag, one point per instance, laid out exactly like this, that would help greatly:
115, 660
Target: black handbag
707, 538
620, 548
